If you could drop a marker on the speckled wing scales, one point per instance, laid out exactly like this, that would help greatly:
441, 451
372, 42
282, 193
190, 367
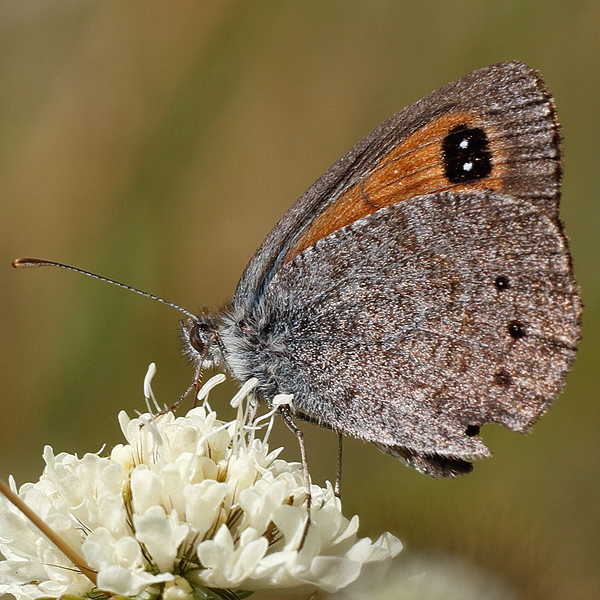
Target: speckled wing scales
420, 322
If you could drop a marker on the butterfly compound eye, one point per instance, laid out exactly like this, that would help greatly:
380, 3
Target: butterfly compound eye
198, 337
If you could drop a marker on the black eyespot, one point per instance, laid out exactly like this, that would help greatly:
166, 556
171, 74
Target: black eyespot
502, 282
196, 339
517, 330
472, 430
466, 154
503, 378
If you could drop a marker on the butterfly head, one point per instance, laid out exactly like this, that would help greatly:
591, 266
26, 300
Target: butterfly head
201, 341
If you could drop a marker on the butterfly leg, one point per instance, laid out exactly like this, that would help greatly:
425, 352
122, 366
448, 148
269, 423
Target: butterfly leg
284, 411
338, 478
195, 386
252, 408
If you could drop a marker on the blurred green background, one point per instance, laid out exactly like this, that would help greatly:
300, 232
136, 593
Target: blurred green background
158, 142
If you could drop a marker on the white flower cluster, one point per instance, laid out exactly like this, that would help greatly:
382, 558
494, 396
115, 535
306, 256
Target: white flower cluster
188, 504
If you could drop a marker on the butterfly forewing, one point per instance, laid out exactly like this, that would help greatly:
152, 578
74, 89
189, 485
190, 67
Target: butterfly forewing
505, 115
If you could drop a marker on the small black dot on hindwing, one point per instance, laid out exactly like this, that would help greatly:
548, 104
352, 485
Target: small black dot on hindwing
472, 430
502, 282
503, 378
466, 154
517, 330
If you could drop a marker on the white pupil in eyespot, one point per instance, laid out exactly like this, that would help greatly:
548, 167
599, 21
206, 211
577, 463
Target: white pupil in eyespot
464, 144
467, 166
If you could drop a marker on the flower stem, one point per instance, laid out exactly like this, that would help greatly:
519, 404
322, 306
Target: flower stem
71, 554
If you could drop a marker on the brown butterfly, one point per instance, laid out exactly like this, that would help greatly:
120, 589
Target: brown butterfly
422, 287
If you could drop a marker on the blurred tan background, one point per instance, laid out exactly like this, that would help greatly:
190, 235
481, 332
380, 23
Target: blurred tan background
158, 142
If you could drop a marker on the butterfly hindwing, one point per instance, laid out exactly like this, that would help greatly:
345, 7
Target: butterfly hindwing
421, 322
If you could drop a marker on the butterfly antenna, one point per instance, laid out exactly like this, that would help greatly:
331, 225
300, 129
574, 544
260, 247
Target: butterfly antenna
21, 263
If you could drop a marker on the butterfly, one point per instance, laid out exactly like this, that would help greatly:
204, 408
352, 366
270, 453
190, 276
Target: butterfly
422, 287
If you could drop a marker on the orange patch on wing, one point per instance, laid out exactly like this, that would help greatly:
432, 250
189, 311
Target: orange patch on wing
414, 167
